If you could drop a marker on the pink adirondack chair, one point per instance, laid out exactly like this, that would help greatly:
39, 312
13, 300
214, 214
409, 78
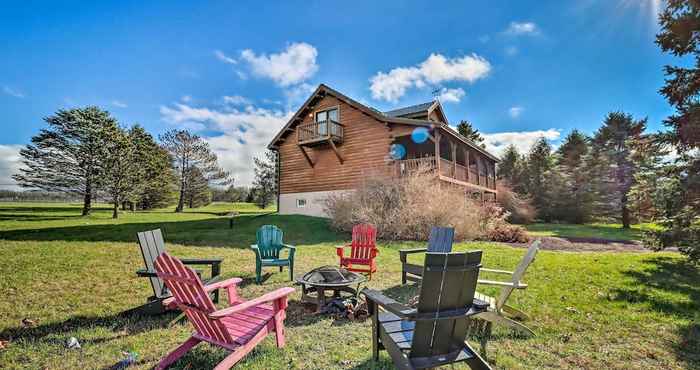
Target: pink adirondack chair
363, 250
238, 328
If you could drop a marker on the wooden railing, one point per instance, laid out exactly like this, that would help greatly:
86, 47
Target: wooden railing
447, 168
322, 130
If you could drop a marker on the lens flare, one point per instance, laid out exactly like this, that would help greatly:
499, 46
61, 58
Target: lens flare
397, 151
419, 135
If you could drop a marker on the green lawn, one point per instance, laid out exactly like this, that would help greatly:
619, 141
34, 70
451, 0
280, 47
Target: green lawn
593, 230
75, 275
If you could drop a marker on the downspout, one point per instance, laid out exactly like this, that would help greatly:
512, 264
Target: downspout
278, 163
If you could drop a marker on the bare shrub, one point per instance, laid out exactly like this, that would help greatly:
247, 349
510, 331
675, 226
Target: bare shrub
406, 208
520, 209
507, 233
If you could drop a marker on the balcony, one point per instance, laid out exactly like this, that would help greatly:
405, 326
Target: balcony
449, 171
321, 132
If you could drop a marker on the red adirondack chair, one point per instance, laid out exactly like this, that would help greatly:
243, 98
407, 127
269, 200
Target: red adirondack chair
238, 328
363, 250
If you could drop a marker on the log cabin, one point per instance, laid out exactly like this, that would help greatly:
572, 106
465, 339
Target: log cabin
332, 143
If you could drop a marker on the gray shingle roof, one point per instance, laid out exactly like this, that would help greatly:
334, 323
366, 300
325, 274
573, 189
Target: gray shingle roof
423, 107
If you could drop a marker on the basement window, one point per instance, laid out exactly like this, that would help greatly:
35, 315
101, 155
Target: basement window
301, 203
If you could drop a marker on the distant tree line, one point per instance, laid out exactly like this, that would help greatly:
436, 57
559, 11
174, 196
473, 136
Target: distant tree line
86, 153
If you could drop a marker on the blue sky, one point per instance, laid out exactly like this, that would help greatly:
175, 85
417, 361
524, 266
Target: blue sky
234, 70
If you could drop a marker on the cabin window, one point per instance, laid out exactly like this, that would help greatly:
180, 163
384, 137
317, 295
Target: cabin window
301, 203
323, 117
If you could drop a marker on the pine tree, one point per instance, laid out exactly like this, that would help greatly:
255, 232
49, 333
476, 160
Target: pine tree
680, 192
467, 130
121, 173
197, 192
265, 183
190, 151
572, 195
539, 163
156, 182
614, 141
67, 156
508, 166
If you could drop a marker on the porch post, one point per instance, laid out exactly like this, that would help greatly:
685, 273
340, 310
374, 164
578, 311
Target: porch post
469, 168
454, 159
437, 151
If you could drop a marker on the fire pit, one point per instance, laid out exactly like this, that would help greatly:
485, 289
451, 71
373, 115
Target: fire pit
316, 282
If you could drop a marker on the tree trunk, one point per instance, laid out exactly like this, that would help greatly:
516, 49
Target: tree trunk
87, 199
181, 201
115, 211
132, 206
625, 213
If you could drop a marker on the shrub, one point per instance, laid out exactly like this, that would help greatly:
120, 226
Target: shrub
520, 209
406, 208
506, 233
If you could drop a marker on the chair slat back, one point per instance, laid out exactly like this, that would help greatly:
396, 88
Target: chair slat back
449, 283
152, 245
441, 239
191, 298
269, 241
364, 240
519, 272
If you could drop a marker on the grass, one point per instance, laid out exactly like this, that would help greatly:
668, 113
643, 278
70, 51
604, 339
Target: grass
75, 275
593, 230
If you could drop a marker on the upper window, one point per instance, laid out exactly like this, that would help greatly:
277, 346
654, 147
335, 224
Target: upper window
325, 115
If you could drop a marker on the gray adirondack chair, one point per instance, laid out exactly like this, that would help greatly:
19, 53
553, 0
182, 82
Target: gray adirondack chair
434, 333
439, 241
499, 311
152, 246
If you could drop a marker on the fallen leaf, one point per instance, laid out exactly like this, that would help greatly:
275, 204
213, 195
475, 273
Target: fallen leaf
28, 323
4, 344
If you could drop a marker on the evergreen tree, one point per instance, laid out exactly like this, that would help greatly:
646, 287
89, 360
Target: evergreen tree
67, 156
156, 182
467, 130
538, 187
197, 193
190, 151
508, 166
680, 194
121, 173
614, 141
571, 193
265, 183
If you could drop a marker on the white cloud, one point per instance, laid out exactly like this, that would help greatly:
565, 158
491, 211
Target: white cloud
522, 28
224, 58
10, 162
245, 133
436, 69
451, 95
119, 104
12, 92
236, 100
295, 64
496, 143
515, 112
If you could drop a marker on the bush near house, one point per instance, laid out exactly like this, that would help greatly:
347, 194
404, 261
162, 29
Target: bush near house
406, 208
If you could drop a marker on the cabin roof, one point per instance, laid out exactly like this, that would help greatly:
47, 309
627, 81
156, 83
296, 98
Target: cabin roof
413, 109
323, 90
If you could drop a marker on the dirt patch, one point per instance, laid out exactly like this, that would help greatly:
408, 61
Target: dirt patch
586, 245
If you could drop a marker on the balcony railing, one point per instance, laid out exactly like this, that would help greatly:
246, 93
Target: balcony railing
320, 131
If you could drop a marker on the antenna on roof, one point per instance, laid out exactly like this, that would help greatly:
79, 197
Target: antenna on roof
436, 94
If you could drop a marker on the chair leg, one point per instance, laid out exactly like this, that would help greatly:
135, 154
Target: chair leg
279, 323
291, 270
501, 320
403, 276
514, 312
177, 353
258, 273
280, 268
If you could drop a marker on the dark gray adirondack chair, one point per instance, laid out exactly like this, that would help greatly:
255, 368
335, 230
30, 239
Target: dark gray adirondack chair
440, 241
152, 245
434, 333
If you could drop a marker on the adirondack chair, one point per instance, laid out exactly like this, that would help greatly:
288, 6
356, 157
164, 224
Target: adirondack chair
433, 334
439, 241
499, 311
267, 251
152, 246
238, 328
363, 250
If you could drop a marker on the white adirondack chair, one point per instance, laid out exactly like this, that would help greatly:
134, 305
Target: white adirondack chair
499, 312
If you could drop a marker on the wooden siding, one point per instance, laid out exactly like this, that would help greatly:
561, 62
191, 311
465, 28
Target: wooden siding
365, 146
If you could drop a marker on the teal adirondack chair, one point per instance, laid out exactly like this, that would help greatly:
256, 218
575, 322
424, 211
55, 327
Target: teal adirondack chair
267, 251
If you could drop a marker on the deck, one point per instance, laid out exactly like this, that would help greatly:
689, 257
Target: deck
449, 171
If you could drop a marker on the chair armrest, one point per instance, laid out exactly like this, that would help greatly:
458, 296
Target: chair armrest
340, 250
153, 273
405, 252
518, 285
222, 284
496, 271
292, 250
391, 305
201, 261
277, 294
255, 249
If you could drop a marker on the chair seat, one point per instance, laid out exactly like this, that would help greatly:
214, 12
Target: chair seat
401, 333
244, 325
358, 261
275, 261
